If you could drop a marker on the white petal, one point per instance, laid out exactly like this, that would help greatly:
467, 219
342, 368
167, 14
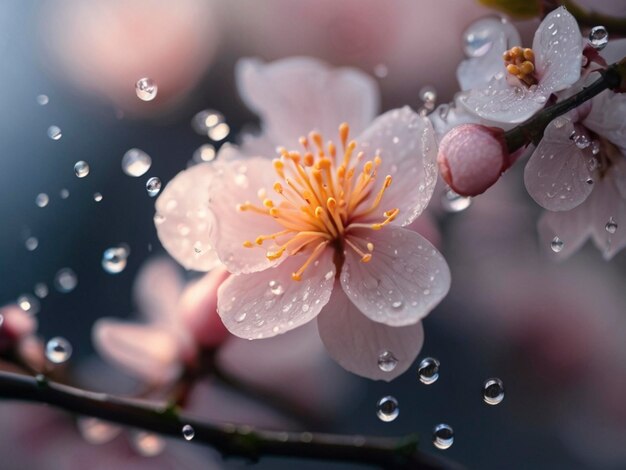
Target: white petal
557, 175
297, 95
614, 51
270, 302
607, 117
407, 145
242, 181
608, 205
156, 290
356, 342
405, 279
183, 221
558, 48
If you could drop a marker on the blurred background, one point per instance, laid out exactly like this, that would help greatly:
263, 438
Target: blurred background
555, 333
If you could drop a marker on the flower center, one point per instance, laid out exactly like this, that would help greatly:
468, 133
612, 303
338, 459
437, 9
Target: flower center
322, 198
521, 64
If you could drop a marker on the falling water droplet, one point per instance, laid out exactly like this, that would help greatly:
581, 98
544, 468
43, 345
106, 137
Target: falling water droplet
453, 202
443, 436
97, 197
31, 243
428, 370
58, 350
387, 409
42, 200
41, 290
493, 391
204, 153
611, 226
188, 432
81, 168
387, 361
114, 259
65, 280
136, 162
28, 304
42, 100
146, 89
54, 132
598, 37
153, 186
556, 244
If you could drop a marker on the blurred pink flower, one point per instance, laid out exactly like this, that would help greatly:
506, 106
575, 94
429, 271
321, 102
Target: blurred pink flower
391, 275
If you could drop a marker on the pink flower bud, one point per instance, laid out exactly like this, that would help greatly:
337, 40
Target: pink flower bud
472, 157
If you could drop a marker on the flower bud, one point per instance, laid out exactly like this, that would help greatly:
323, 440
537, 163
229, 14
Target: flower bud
472, 157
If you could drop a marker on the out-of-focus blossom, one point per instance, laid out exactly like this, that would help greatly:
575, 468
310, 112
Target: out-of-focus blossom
106, 46
528, 77
336, 225
18, 339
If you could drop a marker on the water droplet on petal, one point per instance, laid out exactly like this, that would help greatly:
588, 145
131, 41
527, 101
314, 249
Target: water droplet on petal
443, 436
31, 243
153, 186
188, 432
453, 202
556, 244
581, 141
276, 288
428, 370
42, 200
28, 304
65, 280
241, 317
598, 37
493, 391
136, 162
146, 89
58, 350
387, 361
114, 259
397, 305
41, 290
42, 100
611, 226
54, 132
81, 168
387, 409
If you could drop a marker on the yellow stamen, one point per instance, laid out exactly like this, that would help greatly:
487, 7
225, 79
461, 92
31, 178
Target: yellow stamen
521, 64
317, 251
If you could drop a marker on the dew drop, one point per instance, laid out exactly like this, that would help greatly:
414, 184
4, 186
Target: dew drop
31, 243
598, 37
241, 317
65, 280
97, 197
42, 100
64, 193
493, 391
188, 432
42, 200
595, 147
453, 202
581, 141
611, 226
28, 304
136, 162
397, 305
58, 350
559, 122
153, 186
114, 259
276, 288
428, 370
204, 153
146, 89
205, 120
54, 132
219, 132
41, 290
81, 168
387, 409
443, 436
387, 361
556, 244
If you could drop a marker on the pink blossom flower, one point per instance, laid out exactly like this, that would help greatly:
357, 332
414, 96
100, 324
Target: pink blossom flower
530, 77
326, 236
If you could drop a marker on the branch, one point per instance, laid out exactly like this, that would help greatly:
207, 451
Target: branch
231, 440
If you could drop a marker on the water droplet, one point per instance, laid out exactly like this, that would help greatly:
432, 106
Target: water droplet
97, 197
153, 186
204, 153
114, 259
595, 147
559, 122
188, 432
611, 226
581, 141
148, 444
54, 132
556, 244
428, 94
329, 275
477, 39
443, 436
42, 100
381, 71
241, 317
387, 361
58, 350
42, 200
428, 370
31, 243
81, 168
136, 162
205, 120
64, 193
41, 290
28, 304
65, 280
219, 132
453, 202
493, 391
276, 288
387, 409
397, 304
146, 89
598, 37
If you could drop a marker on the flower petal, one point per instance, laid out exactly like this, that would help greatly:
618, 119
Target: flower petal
147, 352
243, 181
558, 175
405, 279
558, 48
571, 227
297, 95
264, 304
356, 342
183, 220
407, 145
614, 51
607, 117
156, 290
